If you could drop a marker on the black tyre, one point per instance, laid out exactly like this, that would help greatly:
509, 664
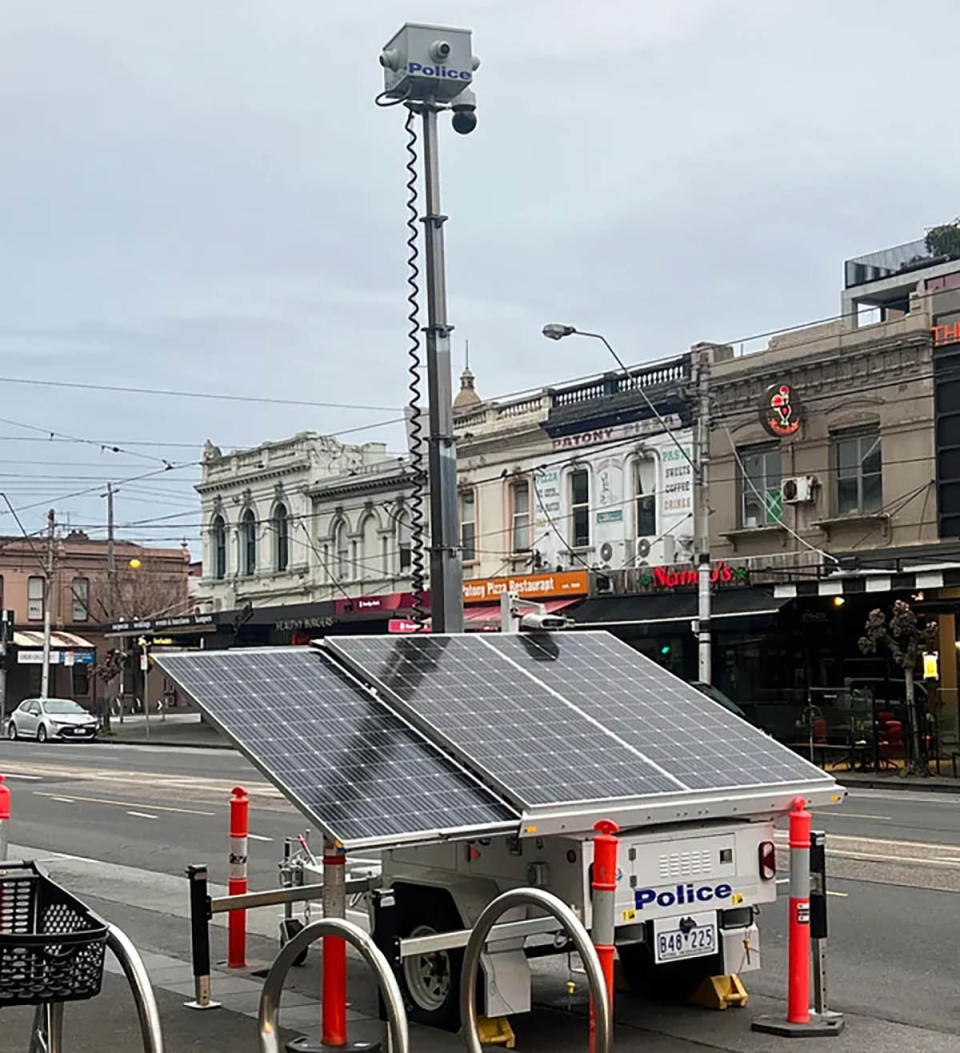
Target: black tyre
12, 731
41, 734
289, 928
430, 982
673, 982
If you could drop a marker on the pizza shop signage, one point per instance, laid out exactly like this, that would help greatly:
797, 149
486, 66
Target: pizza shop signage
677, 576
781, 413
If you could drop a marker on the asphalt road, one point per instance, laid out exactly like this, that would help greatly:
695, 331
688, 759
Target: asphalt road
894, 866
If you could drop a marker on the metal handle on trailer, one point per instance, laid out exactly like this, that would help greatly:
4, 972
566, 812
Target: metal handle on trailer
356, 937
546, 901
47, 1035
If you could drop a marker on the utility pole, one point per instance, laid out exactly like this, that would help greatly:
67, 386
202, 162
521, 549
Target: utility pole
112, 592
47, 603
701, 509
6, 637
111, 561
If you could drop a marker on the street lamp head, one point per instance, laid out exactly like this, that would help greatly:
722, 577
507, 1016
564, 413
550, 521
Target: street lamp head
552, 331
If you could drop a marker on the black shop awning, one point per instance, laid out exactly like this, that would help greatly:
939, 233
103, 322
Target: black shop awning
669, 608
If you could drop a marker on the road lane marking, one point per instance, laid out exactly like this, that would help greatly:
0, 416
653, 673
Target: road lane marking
142, 815
852, 815
62, 800
843, 895
259, 837
124, 804
937, 846
17, 775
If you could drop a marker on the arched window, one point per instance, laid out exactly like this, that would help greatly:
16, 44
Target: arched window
368, 548
404, 543
281, 538
218, 547
248, 542
341, 548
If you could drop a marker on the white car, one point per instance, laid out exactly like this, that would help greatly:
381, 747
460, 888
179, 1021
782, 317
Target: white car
46, 719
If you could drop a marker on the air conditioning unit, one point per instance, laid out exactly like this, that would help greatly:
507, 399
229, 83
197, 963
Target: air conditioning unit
798, 490
614, 554
656, 553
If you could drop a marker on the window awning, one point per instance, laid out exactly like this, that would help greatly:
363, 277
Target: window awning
485, 617
670, 608
58, 641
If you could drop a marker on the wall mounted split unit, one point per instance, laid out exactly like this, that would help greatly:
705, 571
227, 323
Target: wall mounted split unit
798, 490
656, 553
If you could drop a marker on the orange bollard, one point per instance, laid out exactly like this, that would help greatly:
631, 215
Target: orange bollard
800, 1023
334, 1008
4, 816
604, 906
237, 883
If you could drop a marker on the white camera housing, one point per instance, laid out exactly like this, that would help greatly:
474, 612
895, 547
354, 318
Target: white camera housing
534, 621
424, 63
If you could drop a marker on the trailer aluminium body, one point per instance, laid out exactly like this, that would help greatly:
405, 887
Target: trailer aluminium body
478, 764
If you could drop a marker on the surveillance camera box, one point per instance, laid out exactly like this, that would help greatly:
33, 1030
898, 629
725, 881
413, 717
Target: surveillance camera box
424, 63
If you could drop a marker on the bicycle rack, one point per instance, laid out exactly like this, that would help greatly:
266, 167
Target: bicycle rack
356, 937
47, 1035
571, 923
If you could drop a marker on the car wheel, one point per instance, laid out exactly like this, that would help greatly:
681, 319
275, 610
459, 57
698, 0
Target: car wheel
12, 730
430, 982
42, 733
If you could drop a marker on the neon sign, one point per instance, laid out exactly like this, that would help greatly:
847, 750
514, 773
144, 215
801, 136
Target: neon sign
780, 411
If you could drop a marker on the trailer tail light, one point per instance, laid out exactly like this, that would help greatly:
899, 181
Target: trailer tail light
768, 860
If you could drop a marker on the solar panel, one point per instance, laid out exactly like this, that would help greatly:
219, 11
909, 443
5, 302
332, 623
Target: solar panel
516, 732
361, 772
673, 724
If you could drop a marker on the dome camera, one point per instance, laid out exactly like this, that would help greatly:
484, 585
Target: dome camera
464, 121
439, 50
464, 112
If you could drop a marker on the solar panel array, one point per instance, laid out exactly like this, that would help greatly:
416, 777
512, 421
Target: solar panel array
359, 770
673, 724
519, 732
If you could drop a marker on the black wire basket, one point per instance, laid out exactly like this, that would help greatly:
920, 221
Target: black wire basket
51, 945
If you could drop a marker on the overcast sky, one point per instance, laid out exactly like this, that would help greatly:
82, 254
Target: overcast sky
202, 196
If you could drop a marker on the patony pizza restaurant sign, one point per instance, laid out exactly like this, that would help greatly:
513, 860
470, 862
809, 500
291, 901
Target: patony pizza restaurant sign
529, 586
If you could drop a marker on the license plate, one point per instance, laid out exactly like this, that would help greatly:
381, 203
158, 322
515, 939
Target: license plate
690, 936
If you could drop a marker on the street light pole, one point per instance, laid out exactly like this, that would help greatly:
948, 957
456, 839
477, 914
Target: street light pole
699, 463
701, 504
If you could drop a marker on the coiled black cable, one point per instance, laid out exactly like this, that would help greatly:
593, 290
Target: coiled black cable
417, 568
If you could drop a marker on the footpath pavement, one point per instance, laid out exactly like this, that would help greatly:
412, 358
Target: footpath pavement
151, 909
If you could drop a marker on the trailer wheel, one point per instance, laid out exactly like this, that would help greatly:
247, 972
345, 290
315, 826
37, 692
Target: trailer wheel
430, 982
674, 982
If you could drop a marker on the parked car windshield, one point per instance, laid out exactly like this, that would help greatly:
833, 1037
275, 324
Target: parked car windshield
62, 705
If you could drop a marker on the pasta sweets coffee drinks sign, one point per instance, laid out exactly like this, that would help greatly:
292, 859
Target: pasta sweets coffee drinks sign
780, 411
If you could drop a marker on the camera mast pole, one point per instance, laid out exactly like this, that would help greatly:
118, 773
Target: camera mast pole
446, 574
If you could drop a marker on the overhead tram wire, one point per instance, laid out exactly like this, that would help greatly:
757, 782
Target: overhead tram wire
218, 396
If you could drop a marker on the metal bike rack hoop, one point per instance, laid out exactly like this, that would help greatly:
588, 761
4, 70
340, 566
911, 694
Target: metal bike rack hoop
520, 897
356, 937
136, 973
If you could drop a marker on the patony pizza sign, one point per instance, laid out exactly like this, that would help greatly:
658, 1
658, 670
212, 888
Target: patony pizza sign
527, 586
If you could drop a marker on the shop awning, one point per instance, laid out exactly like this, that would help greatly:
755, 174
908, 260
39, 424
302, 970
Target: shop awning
58, 641
672, 607
485, 617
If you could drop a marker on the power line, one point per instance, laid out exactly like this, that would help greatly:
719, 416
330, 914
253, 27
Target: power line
220, 396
